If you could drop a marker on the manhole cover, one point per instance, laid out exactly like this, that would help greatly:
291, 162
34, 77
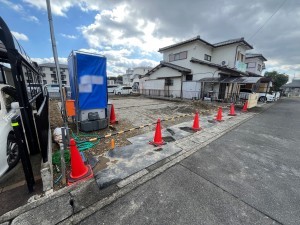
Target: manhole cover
187, 129
168, 139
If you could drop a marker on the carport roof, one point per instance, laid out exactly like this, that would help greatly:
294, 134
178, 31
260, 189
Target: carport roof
240, 80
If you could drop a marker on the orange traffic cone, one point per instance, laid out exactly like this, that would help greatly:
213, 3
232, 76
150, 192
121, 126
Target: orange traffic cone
79, 171
245, 107
157, 141
196, 126
232, 111
112, 115
219, 115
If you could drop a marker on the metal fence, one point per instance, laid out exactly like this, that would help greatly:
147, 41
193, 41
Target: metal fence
42, 124
196, 95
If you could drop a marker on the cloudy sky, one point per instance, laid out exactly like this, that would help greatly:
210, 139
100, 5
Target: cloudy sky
130, 32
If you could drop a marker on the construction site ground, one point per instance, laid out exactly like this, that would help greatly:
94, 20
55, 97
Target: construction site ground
132, 111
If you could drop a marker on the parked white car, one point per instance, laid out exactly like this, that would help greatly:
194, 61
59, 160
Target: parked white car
123, 90
263, 97
111, 88
9, 152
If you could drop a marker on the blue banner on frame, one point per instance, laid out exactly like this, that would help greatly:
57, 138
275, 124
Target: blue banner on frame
92, 81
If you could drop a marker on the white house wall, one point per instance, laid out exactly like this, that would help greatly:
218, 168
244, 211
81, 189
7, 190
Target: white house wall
256, 61
226, 53
194, 49
164, 72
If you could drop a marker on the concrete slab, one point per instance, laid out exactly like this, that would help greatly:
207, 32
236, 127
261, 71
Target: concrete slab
178, 196
131, 159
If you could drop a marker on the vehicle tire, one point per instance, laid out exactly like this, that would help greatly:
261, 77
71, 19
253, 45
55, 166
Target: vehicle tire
12, 151
262, 99
119, 93
130, 93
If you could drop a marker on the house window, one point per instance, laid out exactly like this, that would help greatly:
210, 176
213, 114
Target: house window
207, 57
258, 67
189, 77
168, 82
178, 56
240, 57
251, 65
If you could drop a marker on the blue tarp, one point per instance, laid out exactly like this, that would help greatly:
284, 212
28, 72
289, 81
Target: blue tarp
91, 79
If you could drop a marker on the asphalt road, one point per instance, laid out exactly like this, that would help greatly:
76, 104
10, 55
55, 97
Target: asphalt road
251, 175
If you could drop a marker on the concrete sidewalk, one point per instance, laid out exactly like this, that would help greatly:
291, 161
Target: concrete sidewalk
72, 204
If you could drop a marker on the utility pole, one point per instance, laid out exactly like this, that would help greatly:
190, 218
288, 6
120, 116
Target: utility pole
62, 97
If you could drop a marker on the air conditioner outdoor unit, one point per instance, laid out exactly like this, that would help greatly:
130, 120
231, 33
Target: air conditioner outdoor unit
224, 63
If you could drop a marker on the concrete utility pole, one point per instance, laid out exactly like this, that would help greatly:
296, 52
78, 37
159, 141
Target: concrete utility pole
62, 97
54, 49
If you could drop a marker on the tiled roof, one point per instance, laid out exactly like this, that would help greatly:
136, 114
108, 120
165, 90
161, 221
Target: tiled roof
63, 66
294, 84
220, 44
255, 55
170, 65
233, 41
185, 42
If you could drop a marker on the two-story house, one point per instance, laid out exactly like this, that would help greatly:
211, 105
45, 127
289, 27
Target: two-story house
215, 67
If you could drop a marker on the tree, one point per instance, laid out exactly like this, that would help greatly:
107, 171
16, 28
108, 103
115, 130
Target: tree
119, 77
278, 79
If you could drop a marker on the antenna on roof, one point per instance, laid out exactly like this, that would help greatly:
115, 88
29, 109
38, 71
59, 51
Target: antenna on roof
198, 36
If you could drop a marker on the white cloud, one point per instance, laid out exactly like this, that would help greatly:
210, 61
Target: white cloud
16, 7
20, 36
32, 19
68, 36
61, 60
119, 27
118, 60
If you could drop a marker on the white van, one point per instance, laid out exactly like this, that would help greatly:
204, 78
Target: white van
111, 88
123, 90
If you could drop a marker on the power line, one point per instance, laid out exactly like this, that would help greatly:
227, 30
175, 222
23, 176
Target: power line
268, 19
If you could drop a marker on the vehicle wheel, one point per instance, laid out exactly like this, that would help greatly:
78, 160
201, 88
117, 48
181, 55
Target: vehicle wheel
262, 99
119, 93
13, 154
130, 93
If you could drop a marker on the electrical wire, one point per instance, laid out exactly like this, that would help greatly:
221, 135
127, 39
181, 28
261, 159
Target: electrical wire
268, 19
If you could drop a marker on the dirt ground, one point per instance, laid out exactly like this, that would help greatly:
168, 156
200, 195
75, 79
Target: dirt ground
133, 111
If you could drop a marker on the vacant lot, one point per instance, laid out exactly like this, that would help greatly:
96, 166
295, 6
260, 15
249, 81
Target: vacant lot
132, 111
